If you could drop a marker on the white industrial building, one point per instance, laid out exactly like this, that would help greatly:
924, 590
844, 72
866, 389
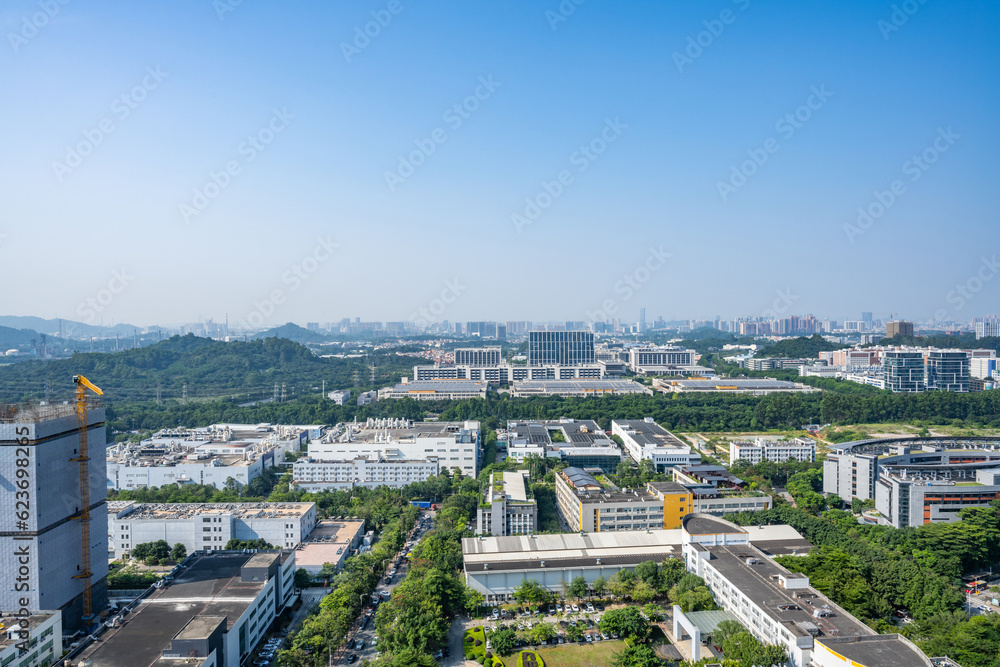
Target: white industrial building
315, 476
579, 442
645, 439
215, 613
505, 373
209, 455
435, 390
44, 638
207, 526
758, 449
506, 507
453, 444
578, 388
662, 360
778, 606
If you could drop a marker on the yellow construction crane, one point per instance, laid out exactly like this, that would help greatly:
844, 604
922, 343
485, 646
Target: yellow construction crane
83, 457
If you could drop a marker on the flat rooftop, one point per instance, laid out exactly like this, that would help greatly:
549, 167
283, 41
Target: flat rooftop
790, 609
650, 434
577, 433
881, 650
210, 586
324, 541
577, 386
736, 384
190, 510
36, 619
628, 547
376, 430
440, 386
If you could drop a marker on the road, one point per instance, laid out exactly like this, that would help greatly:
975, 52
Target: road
367, 652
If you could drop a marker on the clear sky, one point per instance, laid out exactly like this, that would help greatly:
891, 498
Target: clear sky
171, 161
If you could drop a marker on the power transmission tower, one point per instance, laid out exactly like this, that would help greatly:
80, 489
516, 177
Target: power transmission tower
184, 392
157, 393
282, 392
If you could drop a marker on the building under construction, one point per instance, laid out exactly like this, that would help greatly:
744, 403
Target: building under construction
44, 531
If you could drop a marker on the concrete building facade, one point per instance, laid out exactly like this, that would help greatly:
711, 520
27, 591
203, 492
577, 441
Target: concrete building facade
644, 439
39, 452
316, 476
506, 507
759, 449
39, 631
207, 526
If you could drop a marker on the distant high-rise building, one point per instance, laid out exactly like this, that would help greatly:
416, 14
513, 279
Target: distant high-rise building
478, 356
642, 319
43, 441
569, 348
947, 370
904, 371
987, 329
898, 328
866, 317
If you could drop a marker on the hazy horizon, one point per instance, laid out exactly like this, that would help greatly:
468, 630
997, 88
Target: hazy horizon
275, 163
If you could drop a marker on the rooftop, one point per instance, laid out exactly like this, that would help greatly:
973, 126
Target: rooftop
650, 434
190, 510
703, 524
210, 586
579, 386
881, 650
8, 624
324, 541
440, 386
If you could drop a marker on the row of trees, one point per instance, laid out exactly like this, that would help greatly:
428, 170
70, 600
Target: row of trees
158, 553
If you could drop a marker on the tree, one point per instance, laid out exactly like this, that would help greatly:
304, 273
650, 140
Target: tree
691, 594
503, 642
179, 552
649, 572
745, 649
598, 586
530, 591
671, 571
543, 632
302, 578
405, 658
636, 656
726, 629
578, 587
627, 622
643, 592
620, 584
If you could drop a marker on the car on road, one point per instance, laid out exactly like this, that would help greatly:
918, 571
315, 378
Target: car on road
488, 645
351, 659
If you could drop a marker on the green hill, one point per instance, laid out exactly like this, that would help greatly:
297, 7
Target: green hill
293, 332
801, 348
209, 368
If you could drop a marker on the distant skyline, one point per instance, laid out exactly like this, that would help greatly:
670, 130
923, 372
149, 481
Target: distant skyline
165, 163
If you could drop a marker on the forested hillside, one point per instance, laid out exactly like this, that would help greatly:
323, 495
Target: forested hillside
209, 368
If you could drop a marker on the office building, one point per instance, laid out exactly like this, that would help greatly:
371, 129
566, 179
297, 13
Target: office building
478, 356
903, 371
43, 637
214, 614
757, 449
207, 526
899, 328
664, 360
644, 439
578, 388
988, 329
507, 507
778, 606
852, 469
367, 397
505, 373
947, 370
915, 494
580, 443
316, 476
566, 348
340, 397
209, 455
331, 541
593, 506
44, 441
496, 566
435, 390
453, 444
983, 368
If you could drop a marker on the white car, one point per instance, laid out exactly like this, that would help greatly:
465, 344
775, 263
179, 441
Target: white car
588, 637
576, 608
559, 608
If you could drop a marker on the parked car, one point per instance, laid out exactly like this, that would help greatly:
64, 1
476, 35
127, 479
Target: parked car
559, 608
590, 607
576, 608
604, 636
351, 659
588, 637
552, 609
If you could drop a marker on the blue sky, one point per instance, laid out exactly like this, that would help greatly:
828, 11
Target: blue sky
309, 227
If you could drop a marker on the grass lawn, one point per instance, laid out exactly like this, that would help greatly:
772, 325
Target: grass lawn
580, 655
